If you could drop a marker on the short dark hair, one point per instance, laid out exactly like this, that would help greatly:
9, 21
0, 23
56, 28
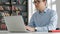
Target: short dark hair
44, 0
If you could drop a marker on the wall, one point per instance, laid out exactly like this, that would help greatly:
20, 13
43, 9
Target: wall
58, 11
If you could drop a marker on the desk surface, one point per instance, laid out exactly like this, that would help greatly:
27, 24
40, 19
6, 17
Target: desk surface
31, 33
6, 32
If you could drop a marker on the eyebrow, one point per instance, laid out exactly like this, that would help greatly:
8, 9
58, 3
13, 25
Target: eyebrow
35, 0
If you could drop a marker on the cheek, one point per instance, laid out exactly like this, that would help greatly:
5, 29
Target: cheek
41, 5
38, 6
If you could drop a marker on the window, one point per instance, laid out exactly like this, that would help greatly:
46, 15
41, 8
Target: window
51, 4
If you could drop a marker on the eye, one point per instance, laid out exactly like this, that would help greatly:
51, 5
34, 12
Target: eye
35, 2
38, 1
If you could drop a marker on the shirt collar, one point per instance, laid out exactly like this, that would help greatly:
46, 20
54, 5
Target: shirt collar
45, 9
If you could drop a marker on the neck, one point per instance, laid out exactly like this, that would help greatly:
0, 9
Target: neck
40, 11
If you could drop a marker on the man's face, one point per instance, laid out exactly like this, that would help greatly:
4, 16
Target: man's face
39, 4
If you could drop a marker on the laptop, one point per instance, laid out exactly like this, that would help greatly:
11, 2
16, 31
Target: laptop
15, 24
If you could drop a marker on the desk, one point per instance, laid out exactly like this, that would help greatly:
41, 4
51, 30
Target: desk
5, 32
31, 33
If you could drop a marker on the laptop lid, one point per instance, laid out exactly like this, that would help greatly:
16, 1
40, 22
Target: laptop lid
14, 23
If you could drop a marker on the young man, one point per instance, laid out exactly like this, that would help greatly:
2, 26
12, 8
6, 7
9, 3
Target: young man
43, 19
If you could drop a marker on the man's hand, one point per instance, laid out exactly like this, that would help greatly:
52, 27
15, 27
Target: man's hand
30, 28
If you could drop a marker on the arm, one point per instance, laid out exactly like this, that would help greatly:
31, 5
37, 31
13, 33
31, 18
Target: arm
31, 21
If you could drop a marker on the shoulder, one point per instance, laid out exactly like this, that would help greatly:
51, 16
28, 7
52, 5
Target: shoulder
51, 11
